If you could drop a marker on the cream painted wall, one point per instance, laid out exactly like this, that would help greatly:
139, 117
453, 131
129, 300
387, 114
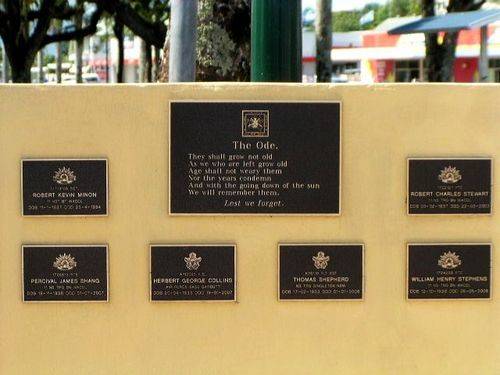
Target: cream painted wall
384, 334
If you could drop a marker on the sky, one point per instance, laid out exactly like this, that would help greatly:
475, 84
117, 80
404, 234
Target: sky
338, 5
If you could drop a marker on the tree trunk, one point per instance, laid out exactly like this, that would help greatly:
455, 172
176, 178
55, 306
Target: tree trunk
59, 62
118, 30
440, 58
145, 65
149, 61
483, 54
20, 65
142, 60
163, 77
223, 41
448, 63
106, 50
432, 57
156, 64
79, 61
19, 58
432, 51
20, 74
79, 44
324, 40
40, 66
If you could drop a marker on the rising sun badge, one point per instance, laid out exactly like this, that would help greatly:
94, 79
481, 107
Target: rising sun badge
449, 260
192, 262
450, 175
255, 123
65, 262
64, 176
320, 260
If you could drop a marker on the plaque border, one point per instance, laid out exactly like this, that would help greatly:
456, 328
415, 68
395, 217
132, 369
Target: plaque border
253, 101
243, 111
363, 289
407, 273
449, 158
70, 159
235, 268
65, 245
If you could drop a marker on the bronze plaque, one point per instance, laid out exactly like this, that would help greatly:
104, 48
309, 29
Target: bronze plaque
320, 271
65, 273
449, 186
193, 272
449, 271
65, 187
255, 158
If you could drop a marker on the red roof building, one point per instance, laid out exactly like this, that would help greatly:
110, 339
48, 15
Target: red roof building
375, 56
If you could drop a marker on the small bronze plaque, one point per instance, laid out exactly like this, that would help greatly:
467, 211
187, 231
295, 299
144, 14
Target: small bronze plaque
65, 187
193, 273
449, 271
320, 272
65, 273
449, 186
254, 158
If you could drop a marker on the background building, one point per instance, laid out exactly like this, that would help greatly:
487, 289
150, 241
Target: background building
375, 56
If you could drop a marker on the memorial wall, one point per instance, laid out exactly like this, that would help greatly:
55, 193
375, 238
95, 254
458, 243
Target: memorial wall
249, 228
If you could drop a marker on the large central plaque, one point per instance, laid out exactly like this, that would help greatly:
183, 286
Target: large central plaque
267, 158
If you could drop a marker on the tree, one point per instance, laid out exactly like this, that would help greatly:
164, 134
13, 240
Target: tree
440, 57
223, 43
324, 40
403, 7
25, 28
79, 42
145, 71
345, 21
118, 31
25, 25
144, 18
154, 14
164, 64
349, 20
59, 54
41, 77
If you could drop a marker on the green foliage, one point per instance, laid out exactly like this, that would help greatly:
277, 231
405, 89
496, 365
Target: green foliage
48, 59
349, 20
346, 21
404, 7
381, 15
152, 10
